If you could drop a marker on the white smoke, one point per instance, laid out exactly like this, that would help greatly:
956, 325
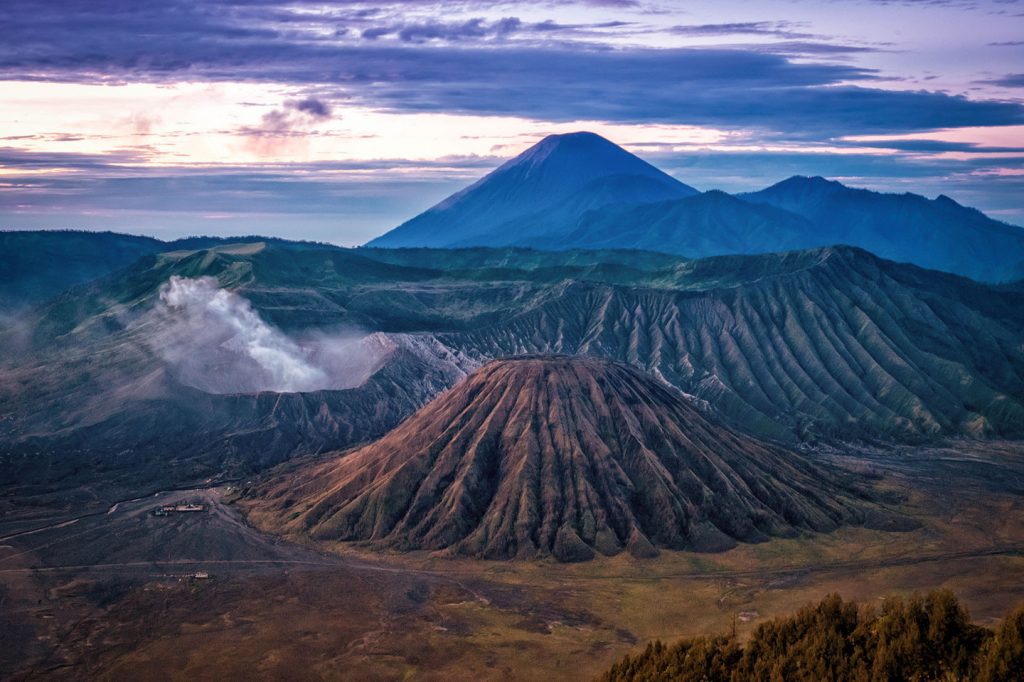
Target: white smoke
213, 340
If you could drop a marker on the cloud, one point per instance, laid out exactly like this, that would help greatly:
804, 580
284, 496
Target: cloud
479, 29
346, 202
549, 25
932, 146
782, 84
712, 87
779, 29
17, 158
313, 107
213, 340
445, 66
1013, 80
471, 29
352, 202
807, 48
280, 131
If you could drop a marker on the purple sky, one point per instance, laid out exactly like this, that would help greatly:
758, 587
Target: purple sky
337, 120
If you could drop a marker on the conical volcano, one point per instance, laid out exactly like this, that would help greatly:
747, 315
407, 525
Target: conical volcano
565, 457
541, 193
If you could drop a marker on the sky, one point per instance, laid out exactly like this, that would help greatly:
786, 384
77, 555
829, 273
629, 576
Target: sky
337, 120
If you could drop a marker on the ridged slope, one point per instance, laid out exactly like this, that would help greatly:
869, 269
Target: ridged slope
175, 433
562, 456
814, 345
850, 346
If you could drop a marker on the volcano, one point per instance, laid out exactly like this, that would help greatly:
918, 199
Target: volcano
540, 193
564, 457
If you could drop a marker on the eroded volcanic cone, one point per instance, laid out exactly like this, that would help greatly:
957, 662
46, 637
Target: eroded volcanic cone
562, 456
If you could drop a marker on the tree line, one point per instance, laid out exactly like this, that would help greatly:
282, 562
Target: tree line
920, 638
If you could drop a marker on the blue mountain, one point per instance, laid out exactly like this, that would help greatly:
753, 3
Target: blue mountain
933, 233
541, 193
709, 224
582, 191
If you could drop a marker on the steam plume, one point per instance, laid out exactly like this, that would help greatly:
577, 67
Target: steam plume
214, 341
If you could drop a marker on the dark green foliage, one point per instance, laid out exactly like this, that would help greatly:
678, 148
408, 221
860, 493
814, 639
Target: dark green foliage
917, 639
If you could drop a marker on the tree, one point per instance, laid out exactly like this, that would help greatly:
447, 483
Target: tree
1004, 656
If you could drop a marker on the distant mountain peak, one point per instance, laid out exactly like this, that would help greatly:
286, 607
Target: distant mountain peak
582, 153
938, 233
812, 181
540, 193
580, 135
579, 190
580, 138
719, 195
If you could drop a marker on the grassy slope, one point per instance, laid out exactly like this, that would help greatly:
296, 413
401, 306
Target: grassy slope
38, 265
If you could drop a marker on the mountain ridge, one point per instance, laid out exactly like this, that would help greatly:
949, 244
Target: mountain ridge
825, 345
40, 264
523, 203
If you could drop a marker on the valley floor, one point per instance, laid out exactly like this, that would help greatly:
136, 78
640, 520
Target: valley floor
103, 589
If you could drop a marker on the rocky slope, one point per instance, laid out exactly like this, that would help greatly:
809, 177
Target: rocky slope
136, 424
832, 343
828, 344
562, 456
